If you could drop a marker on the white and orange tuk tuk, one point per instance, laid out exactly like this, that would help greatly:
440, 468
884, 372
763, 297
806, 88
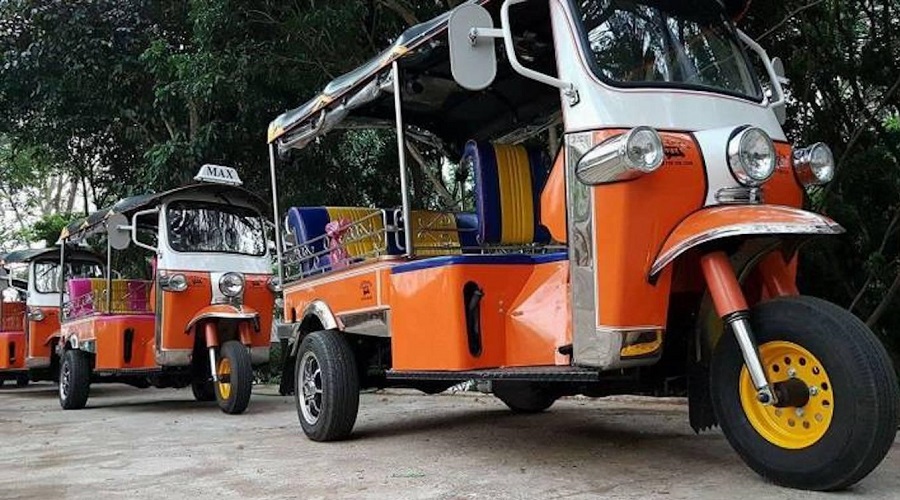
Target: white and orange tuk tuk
635, 228
37, 273
199, 312
12, 330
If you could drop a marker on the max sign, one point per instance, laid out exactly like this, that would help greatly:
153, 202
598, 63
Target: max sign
219, 175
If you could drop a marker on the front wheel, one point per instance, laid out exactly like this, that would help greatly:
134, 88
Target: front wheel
838, 397
234, 372
74, 380
327, 386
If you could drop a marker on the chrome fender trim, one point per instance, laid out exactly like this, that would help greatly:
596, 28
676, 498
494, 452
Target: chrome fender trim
246, 315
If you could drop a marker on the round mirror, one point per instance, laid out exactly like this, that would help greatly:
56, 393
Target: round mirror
118, 232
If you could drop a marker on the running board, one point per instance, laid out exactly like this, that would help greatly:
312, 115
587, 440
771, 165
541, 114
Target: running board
525, 374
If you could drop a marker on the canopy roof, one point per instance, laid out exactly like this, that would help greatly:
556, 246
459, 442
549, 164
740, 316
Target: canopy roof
96, 221
433, 103
51, 253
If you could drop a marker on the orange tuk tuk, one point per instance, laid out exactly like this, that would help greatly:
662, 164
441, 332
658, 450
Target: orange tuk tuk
12, 330
35, 276
635, 228
196, 306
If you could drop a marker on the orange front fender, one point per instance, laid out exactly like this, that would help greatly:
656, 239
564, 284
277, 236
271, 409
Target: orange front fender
223, 311
740, 220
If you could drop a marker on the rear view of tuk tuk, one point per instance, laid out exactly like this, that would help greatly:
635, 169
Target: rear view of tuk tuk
12, 330
633, 226
185, 298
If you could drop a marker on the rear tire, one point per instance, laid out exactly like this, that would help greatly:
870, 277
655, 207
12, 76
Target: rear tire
524, 397
326, 386
22, 381
74, 380
850, 419
235, 373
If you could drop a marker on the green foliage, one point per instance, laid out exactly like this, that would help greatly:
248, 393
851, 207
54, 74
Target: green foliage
47, 229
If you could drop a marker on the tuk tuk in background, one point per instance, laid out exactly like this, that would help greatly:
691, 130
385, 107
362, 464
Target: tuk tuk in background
37, 272
185, 299
12, 330
655, 252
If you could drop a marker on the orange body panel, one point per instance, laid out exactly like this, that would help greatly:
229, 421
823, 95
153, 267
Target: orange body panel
428, 322
180, 308
42, 334
631, 220
553, 200
109, 334
779, 278
353, 289
540, 321
12, 317
12, 350
782, 188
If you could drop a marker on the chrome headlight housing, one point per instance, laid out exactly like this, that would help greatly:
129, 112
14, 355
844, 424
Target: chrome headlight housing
173, 283
626, 156
751, 156
35, 314
814, 165
231, 284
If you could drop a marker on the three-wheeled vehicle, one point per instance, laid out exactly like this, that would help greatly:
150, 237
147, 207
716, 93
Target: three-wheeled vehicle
199, 313
12, 330
657, 250
35, 274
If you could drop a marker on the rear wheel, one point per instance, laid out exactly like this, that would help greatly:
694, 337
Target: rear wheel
524, 397
327, 386
838, 398
204, 390
234, 372
74, 380
22, 381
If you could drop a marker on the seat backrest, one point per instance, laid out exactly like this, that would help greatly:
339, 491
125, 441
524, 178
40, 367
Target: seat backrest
508, 183
364, 235
13, 315
88, 295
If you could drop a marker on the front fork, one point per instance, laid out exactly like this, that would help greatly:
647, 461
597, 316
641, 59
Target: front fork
731, 306
211, 333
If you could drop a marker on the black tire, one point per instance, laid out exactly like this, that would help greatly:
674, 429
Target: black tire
2, 382
326, 386
864, 393
204, 390
22, 381
74, 380
524, 397
233, 392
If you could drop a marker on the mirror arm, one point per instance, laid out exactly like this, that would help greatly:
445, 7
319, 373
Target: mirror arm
134, 228
770, 69
505, 32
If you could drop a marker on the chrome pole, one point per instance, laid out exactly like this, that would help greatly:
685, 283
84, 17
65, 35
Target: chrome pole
275, 218
109, 274
62, 277
401, 150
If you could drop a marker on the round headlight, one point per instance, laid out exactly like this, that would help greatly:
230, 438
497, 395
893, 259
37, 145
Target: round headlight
644, 149
174, 283
751, 156
35, 314
231, 284
814, 165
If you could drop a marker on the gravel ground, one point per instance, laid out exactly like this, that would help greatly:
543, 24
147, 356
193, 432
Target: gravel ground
157, 444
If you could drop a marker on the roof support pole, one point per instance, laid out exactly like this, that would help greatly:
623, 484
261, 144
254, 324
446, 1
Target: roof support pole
109, 290
275, 217
401, 151
61, 283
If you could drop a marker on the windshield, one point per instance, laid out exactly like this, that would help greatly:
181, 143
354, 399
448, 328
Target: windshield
666, 44
46, 274
214, 227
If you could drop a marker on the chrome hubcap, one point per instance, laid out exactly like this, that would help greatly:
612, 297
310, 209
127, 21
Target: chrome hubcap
64, 381
310, 387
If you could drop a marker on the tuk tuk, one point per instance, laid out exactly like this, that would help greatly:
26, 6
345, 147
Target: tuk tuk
635, 228
35, 274
185, 298
12, 330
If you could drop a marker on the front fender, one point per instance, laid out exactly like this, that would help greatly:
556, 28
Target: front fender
223, 311
745, 220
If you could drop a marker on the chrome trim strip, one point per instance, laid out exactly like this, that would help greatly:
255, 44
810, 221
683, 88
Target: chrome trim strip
739, 196
373, 322
605, 350
740, 230
320, 310
221, 315
174, 357
37, 362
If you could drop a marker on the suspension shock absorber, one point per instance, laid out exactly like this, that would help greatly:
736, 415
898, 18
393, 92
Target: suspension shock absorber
212, 342
731, 306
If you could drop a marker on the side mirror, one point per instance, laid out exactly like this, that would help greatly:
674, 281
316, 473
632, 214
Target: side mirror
473, 59
778, 68
118, 232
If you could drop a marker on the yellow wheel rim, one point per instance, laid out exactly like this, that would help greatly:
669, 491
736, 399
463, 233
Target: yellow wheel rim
790, 428
223, 371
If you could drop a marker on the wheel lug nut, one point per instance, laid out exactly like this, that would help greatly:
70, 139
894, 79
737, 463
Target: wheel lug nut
799, 412
813, 390
792, 373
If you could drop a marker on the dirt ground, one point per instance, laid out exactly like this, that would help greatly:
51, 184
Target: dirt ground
159, 444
